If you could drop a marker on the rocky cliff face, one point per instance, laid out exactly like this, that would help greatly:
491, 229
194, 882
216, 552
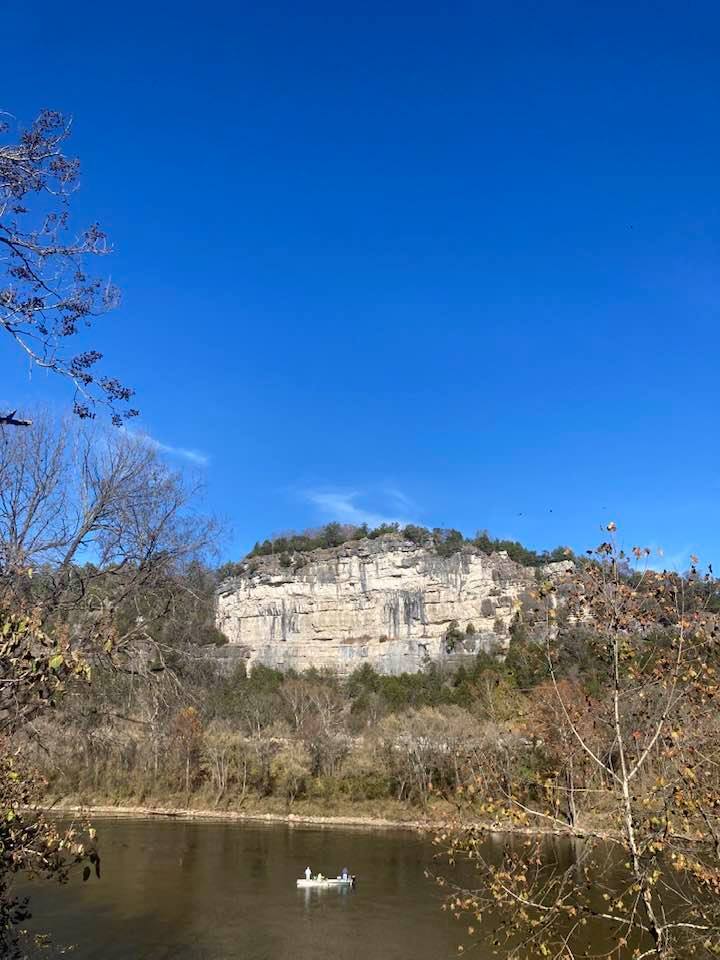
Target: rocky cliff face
386, 602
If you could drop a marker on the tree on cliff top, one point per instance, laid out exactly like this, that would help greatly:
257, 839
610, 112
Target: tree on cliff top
46, 295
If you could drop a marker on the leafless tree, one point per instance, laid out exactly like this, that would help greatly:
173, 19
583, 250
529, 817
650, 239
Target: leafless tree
96, 529
647, 879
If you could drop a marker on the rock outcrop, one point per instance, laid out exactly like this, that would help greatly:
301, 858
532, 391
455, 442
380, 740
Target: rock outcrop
387, 602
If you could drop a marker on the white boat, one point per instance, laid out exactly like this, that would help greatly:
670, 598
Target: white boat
327, 882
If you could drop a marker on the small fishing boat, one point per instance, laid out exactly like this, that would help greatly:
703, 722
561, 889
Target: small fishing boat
327, 882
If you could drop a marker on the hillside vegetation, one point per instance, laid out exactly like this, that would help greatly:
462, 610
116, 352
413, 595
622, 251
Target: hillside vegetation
191, 734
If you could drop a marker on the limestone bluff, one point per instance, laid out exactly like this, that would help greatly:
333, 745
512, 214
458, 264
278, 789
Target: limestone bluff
387, 602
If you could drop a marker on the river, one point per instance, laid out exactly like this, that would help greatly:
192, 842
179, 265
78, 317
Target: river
223, 890
186, 890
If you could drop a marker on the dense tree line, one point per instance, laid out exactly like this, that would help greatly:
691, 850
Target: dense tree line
199, 734
194, 734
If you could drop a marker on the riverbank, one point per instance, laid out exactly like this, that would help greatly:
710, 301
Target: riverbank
429, 824
186, 813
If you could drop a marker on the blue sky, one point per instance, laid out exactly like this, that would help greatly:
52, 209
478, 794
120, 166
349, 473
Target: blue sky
454, 264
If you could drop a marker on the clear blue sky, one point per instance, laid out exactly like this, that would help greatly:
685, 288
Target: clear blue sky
455, 264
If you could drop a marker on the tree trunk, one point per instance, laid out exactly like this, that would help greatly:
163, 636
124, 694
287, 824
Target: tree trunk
570, 785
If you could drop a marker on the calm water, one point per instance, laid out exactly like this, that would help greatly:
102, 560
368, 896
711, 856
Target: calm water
174, 890
216, 891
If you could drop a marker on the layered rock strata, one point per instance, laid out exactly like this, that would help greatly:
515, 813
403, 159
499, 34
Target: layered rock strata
387, 602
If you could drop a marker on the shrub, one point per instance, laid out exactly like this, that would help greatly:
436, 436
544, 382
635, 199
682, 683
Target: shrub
447, 542
416, 534
290, 771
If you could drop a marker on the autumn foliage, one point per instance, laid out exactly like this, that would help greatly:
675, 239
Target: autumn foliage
633, 775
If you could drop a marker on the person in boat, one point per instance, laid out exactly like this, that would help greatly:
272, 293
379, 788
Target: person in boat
345, 874
308, 873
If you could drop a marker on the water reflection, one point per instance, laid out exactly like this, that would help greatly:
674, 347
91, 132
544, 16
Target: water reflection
220, 891
311, 894
213, 891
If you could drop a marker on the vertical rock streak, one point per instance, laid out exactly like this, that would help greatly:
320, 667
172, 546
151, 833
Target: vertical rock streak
387, 602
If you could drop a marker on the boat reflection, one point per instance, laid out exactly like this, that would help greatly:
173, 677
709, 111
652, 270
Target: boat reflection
310, 894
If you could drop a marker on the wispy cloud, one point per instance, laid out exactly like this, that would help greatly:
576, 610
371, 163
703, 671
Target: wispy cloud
184, 453
678, 561
343, 505
401, 499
